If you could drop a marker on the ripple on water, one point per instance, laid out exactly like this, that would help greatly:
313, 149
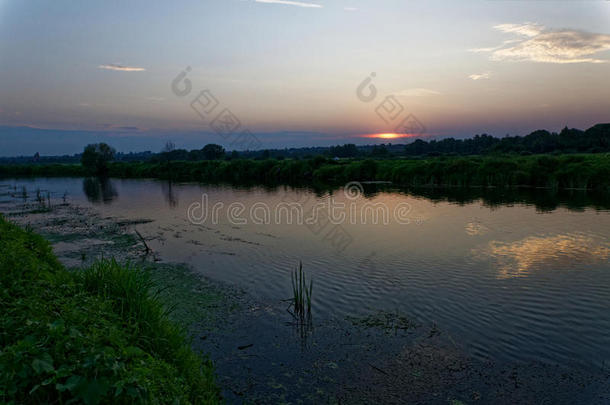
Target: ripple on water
505, 282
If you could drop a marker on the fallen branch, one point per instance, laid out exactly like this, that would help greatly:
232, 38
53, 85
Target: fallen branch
378, 369
148, 249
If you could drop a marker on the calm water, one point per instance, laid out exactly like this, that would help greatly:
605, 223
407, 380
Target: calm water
507, 280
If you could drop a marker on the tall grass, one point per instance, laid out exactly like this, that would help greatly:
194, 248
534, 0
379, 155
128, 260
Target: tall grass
44, 202
302, 294
99, 335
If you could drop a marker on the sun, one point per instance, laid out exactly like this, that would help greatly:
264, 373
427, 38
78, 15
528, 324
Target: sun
388, 135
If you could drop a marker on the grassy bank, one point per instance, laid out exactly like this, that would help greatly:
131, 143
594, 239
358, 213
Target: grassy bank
586, 171
96, 335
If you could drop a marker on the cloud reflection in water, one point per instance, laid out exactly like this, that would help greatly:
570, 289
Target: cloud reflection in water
520, 258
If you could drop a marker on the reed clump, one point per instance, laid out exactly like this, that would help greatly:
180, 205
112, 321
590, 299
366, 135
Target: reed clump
301, 294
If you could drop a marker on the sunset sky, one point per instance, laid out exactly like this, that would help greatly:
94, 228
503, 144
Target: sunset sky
75, 72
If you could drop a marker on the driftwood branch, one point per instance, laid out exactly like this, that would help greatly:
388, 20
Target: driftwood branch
148, 249
378, 369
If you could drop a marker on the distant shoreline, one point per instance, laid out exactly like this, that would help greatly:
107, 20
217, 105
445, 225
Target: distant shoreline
565, 171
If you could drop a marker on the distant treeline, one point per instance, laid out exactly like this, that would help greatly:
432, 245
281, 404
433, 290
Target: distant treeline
76, 158
594, 140
585, 171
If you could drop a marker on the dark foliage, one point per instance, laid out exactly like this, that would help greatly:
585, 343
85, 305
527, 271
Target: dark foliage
595, 139
585, 171
96, 157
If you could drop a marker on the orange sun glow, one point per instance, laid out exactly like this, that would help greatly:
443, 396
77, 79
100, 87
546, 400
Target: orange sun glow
388, 135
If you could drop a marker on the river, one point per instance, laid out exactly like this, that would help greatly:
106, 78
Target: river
508, 279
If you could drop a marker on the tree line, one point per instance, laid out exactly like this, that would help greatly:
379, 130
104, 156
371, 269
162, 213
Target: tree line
594, 140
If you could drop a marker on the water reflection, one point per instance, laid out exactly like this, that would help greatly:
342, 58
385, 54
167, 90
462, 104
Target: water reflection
522, 257
475, 228
99, 190
170, 193
545, 200
536, 273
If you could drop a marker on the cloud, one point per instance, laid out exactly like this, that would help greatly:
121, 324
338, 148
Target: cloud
418, 92
478, 76
528, 30
290, 3
350, 9
536, 43
121, 68
493, 48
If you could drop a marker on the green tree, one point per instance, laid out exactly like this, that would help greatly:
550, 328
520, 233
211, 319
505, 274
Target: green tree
379, 151
347, 150
167, 150
212, 151
96, 156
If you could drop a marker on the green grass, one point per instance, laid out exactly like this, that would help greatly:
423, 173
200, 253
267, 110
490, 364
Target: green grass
567, 171
99, 335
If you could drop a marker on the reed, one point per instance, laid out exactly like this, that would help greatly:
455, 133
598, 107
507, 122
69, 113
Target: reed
302, 293
44, 202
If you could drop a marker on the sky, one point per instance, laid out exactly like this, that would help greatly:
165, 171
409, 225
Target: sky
295, 73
